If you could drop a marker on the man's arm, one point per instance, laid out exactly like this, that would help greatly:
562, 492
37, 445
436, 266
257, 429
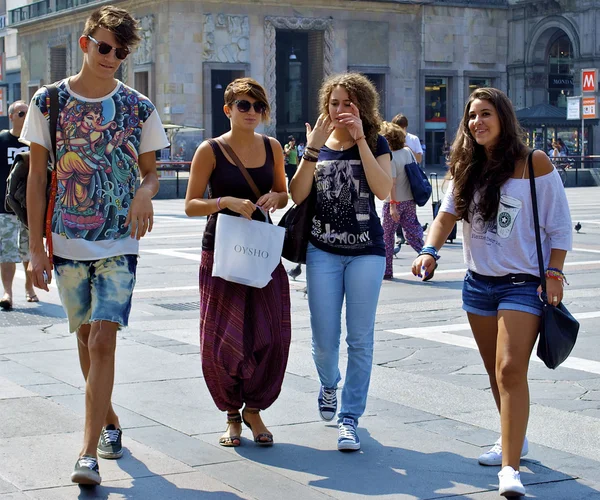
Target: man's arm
36, 197
141, 213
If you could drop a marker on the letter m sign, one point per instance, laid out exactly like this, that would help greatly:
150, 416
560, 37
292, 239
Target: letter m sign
589, 80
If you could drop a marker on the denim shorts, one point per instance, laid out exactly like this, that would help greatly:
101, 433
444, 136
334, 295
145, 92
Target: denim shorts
486, 298
96, 290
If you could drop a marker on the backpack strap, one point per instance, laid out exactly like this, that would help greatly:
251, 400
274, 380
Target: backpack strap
52, 189
53, 93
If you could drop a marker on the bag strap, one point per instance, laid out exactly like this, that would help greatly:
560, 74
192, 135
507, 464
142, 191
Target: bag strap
229, 150
536, 219
53, 93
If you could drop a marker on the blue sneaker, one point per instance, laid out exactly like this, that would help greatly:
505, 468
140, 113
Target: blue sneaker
347, 437
327, 403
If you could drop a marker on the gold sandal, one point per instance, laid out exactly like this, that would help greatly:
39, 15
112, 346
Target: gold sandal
263, 439
232, 441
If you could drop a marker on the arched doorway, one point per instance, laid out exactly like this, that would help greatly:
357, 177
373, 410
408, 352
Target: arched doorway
560, 69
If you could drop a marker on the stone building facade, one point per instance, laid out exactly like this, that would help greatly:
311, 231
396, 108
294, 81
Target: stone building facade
424, 57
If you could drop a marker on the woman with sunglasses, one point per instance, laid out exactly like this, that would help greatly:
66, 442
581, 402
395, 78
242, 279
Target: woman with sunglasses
347, 162
245, 332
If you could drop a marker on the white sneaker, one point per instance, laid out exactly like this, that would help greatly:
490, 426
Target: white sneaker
494, 456
510, 482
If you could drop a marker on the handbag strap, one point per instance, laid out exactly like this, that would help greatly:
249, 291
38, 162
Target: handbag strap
536, 219
53, 94
229, 150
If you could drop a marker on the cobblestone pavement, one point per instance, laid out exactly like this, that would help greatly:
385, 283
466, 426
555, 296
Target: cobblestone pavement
430, 412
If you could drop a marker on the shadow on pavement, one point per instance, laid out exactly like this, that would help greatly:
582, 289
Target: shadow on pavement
380, 470
146, 485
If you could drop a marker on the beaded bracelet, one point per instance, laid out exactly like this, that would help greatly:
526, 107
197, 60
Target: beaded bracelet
556, 274
430, 250
314, 150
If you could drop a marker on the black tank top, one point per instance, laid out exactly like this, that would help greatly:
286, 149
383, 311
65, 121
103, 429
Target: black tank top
227, 180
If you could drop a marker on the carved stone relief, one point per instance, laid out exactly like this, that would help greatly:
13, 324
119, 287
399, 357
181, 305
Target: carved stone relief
272, 24
144, 52
226, 38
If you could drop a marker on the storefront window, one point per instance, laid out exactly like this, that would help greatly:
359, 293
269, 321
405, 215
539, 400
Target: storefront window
477, 83
436, 96
560, 71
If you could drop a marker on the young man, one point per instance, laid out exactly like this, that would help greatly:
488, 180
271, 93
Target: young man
14, 240
412, 141
107, 133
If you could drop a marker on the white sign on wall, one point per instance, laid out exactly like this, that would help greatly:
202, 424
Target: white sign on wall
573, 108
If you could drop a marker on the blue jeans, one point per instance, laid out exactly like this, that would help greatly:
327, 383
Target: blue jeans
329, 277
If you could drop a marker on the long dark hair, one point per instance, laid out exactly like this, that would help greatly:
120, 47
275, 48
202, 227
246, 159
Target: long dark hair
472, 170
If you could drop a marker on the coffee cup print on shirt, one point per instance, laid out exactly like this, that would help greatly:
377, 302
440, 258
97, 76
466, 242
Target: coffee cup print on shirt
508, 211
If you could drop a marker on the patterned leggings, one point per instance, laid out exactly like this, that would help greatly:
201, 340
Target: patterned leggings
410, 224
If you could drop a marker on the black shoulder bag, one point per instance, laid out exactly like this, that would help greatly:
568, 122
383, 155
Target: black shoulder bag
558, 328
297, 222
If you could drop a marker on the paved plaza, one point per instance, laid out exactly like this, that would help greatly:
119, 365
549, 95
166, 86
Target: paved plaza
430, 411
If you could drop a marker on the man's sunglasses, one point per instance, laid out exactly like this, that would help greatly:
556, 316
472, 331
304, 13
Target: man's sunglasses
21, 114
105, 49
244, 106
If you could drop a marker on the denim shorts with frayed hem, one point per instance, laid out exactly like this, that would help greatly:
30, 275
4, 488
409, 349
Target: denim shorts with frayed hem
486, 298
96, 290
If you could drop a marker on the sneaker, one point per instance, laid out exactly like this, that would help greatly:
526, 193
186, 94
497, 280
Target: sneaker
109, 444
347, 436
494, 456
510, 482
86, 471
327, 403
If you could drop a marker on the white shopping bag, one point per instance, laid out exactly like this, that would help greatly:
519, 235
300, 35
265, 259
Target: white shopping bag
246, 251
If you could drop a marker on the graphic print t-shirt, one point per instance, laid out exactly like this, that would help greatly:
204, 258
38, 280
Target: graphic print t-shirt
345, 220
98, 144
9, 148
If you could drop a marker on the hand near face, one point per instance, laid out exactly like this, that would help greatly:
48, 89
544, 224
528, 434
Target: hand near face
352, 122
317, 137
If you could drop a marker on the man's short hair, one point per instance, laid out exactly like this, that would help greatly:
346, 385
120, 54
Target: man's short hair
11, 108
401, 120
116, 20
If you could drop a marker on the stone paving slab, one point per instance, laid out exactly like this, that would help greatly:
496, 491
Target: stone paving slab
194, 485
189, 450
25, 460
34, 416
10, 390
130, 419
6, 487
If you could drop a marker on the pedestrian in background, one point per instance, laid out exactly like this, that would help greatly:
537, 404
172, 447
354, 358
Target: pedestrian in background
245, 332
14, 237
490, 192
350, 163
291, 155
411, 140
399, 208
107, 135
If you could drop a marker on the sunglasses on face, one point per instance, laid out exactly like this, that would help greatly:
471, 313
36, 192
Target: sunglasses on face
105, 49
244, 106
21, 114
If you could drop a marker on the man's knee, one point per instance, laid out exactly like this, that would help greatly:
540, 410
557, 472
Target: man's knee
102, 339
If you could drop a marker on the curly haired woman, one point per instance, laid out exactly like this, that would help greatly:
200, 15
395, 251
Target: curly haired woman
348, 162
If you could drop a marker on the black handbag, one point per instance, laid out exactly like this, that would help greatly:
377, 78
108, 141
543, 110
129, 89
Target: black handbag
297, 222
558, 327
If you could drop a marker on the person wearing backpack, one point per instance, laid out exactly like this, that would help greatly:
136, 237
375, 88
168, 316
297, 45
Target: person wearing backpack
103, 181
399, 209
14, 240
